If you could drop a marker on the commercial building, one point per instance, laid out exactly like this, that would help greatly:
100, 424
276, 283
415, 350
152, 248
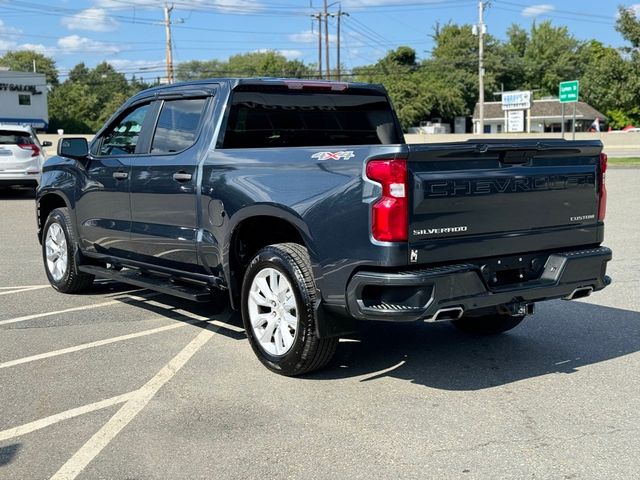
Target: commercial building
545, 116
23, 99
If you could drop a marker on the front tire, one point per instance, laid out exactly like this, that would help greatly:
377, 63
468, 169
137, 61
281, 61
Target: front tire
488, 324
278, 311
59, 246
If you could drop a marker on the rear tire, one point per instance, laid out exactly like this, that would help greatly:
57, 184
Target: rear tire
278, 300
59, 246
488, 324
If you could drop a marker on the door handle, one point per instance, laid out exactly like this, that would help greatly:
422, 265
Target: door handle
120, 175
182, 176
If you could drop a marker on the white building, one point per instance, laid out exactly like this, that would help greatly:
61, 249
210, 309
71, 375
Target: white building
545, 116
23, 99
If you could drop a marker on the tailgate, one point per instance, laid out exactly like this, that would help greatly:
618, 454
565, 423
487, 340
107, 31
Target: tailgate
495, 198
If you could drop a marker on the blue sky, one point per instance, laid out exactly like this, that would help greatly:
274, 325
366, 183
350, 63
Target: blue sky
129, 33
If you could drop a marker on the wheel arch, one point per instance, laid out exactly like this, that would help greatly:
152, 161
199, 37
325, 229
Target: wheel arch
45, 204
254, 228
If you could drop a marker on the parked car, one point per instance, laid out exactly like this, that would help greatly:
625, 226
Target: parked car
301, 203
21, 156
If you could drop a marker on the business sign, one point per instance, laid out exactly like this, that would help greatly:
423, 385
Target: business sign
14, 87
515, 121
516, 100
569, 91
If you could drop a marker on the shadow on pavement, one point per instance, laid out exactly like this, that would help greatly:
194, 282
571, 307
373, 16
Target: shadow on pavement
560, 338
8, 453
17, 194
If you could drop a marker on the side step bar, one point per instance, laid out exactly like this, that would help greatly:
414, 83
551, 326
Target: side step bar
157, 283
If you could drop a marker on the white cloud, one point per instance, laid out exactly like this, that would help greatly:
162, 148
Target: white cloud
537, 10
309, 36
9, 31
6, 45
36, 47
94, 19
287, 53
290, 54
137, 65
635, 8
75, 44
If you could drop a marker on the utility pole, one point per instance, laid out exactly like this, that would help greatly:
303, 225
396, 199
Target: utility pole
167, 26
339, 15
326, 40
318, 16
481, 31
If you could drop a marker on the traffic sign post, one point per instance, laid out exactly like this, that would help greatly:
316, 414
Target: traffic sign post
569, 92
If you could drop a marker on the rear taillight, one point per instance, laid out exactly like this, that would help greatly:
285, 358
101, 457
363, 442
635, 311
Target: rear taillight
35, 151
602, 209
389, 216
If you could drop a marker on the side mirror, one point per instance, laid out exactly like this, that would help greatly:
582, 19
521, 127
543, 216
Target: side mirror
75, 147
46, 143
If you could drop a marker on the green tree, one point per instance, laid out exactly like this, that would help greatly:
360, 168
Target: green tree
89, 97
629, 26
255, 64
69, 107
22, 61
609, 83
551, 56
417, 92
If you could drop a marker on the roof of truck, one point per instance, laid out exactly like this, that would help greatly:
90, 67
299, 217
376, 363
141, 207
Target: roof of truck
263, 81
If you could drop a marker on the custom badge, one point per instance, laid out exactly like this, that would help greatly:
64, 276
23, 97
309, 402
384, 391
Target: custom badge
344, 155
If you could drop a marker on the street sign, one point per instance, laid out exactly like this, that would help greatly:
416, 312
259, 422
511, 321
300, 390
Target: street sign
516, 100
515, 121
569, 91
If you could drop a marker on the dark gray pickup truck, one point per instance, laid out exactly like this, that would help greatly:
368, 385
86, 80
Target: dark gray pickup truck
301, 203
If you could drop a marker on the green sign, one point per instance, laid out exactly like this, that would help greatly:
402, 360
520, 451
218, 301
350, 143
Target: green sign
569, 91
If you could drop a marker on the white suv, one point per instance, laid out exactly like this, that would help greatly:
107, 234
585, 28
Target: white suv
21, 156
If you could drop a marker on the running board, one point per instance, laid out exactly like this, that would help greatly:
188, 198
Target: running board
157, 283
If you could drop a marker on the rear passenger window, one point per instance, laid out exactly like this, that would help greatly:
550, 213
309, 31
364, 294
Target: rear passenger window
178, 125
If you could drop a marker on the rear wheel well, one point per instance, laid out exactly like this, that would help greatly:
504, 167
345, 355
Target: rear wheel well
46, 205
249, 237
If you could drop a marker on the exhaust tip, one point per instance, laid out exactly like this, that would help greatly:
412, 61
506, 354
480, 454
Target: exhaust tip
580, 292
446, 314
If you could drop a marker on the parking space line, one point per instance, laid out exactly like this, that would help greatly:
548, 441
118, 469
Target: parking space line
23, 289
98, 343
15, 287
58, 417
74, 466
218, 323
75, 309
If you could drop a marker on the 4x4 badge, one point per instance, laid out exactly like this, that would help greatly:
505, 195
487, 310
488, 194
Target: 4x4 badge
343, 155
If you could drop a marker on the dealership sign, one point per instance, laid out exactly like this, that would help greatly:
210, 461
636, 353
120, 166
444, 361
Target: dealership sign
516, 100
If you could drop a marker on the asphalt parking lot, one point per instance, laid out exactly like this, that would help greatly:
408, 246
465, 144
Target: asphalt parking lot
129, 384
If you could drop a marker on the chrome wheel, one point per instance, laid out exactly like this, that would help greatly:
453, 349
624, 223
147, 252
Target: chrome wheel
56, 251
273, 311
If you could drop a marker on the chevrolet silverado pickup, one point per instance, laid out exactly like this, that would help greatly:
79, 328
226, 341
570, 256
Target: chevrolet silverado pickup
301, 203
